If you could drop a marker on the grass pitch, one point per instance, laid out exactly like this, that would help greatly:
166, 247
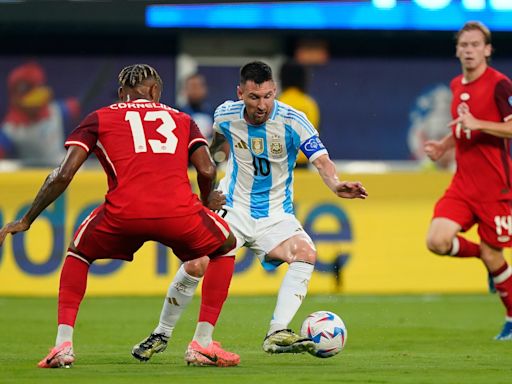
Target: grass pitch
391, 339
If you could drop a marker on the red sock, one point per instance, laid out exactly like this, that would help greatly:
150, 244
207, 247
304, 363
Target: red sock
73, 282
215, 288
503, 283
465, 248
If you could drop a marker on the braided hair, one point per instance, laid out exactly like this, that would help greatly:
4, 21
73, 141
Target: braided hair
133, 75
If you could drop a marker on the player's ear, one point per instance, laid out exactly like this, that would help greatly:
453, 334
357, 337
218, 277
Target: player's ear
488, 50
120, 93
155, 92
239, 92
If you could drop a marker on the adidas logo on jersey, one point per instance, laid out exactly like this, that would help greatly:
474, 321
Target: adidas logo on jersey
241, 144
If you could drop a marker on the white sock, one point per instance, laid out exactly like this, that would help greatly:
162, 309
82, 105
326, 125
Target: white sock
293, 290
180, 293
204, 333
64, 333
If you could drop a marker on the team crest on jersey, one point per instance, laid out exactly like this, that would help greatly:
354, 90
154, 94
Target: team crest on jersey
276, 146
465, 96
257, 146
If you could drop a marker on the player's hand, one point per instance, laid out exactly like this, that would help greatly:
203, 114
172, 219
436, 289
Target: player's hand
434, 149
467, 121
216, 200
13, 228
351, 190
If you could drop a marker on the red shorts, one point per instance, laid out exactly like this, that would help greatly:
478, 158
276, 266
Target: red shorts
494, 218
102, 236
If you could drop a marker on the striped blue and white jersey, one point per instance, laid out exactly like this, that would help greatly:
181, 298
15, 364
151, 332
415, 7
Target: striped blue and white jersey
259, 171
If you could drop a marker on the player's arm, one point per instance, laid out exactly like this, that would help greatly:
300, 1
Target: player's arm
200, 158
53, 186
346, 189
437, 148
206, 172
218, 143
503, 100
499, 129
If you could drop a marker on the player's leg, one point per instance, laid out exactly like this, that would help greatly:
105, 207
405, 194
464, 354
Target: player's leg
214, 238
451, 215
299, 252
179, 295
501, 273
495, 231
95, 236
443, 239
203, 350
73, 283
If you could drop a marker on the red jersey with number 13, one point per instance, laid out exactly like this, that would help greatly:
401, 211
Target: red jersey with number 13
483, 160
144, 149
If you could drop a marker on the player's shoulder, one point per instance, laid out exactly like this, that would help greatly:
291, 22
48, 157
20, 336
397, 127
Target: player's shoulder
497, 75
289, 114
456, 81
229, 110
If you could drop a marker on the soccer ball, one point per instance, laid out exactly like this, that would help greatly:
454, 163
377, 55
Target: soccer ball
328, 332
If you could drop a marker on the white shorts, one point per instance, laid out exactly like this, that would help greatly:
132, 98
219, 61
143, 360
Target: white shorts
261, 235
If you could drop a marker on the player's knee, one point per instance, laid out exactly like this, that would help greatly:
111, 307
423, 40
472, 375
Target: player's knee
197, 267
439, 245
304, 251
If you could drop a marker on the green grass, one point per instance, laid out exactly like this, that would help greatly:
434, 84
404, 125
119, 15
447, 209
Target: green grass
391, 339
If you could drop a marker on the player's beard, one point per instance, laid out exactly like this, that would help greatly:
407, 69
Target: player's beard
259, 118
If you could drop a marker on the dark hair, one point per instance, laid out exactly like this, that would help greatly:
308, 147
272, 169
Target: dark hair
256, 71
472, 26
293, 74
135, 74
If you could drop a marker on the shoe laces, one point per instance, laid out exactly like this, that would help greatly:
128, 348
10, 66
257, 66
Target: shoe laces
152, 339
279, 331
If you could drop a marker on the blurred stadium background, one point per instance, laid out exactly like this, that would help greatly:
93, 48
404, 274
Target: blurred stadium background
379, 72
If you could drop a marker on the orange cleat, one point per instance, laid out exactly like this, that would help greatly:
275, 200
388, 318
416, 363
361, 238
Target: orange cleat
61, 356
213, 355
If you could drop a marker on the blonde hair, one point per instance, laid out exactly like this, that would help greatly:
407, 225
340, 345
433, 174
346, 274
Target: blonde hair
472, 26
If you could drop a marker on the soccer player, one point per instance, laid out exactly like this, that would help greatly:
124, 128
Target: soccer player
264, 136
480, 191
144, 148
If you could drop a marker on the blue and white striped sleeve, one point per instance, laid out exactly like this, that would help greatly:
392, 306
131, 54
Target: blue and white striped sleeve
310, 143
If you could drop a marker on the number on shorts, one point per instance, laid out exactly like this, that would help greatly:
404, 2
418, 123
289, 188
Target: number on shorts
221, 212
503, 225
165, 129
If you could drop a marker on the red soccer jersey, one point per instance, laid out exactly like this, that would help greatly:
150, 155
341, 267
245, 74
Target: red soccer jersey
483, 160
144, 149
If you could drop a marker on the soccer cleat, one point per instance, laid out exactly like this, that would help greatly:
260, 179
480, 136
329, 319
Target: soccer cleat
506, 332
213, 355
154, 343
60, 356
287, 341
